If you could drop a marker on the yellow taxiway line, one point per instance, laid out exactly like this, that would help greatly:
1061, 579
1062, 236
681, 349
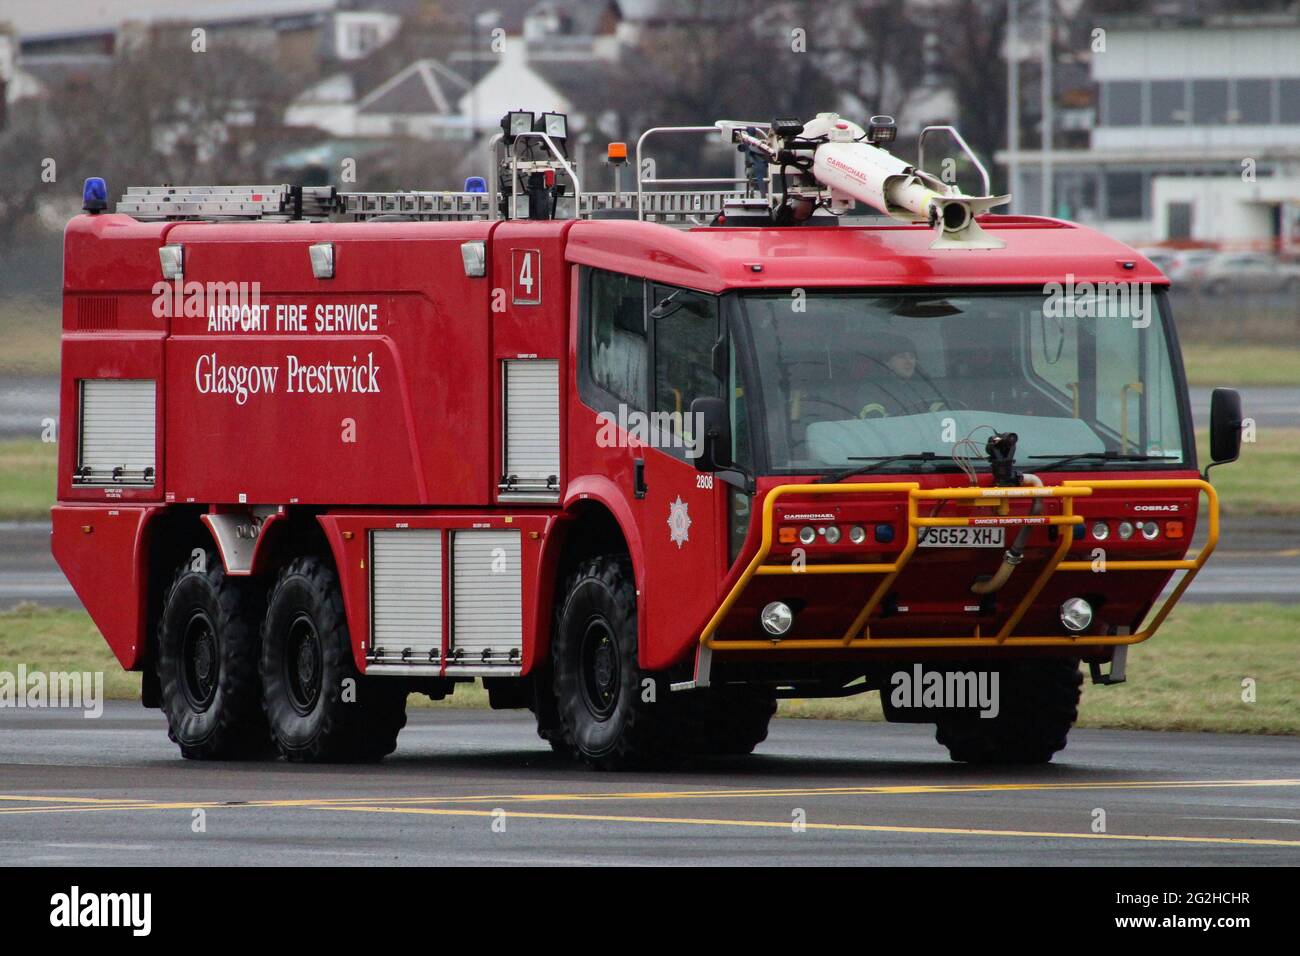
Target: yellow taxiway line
44, 803
50, 804
840, 827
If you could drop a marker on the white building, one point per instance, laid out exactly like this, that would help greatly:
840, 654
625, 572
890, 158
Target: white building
358, 33
512, 82
1225, 210
1196, 134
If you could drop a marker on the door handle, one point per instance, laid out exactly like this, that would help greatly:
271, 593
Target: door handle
639, 488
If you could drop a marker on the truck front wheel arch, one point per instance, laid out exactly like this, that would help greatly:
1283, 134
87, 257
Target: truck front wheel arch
605, 716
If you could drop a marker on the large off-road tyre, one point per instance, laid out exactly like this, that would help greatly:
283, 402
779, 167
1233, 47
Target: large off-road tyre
208, 647
319, 708
605, 719
545, 710
1038, 704
726, 720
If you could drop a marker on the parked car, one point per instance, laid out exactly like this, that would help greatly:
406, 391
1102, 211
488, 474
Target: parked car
1188, 265
1250, 272
1162, 259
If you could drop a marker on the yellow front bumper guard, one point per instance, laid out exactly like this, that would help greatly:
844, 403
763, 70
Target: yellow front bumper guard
858, 635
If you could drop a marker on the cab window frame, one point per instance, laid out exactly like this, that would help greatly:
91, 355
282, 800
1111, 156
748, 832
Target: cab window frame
658, 292
590, 390
597, 395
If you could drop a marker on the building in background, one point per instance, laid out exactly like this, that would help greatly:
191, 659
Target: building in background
1195, 136
57, 38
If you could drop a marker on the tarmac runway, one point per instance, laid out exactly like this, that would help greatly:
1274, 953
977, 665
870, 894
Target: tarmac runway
479, 788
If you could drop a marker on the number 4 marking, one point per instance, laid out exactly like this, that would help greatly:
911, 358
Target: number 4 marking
528, 277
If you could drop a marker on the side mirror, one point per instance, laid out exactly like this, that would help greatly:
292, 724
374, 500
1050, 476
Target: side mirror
712, 429
1225, 425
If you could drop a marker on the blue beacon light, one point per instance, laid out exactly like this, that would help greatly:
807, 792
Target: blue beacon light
94, 195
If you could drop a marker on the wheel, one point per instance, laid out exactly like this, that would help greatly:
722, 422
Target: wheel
545, 711
726, 720
604, 718
208, 647
1039, 703
318, 706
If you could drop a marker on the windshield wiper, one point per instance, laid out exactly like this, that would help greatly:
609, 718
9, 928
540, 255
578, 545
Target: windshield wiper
1058, 461
880, 462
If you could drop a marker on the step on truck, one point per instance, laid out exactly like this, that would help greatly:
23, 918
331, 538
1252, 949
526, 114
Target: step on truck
644, 462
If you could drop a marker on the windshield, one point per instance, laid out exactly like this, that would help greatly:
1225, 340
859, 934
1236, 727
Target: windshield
844, 377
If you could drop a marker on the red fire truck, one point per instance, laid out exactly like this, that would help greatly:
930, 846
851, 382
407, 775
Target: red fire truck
644, 462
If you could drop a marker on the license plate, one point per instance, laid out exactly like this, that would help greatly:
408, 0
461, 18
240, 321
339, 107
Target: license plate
965, 537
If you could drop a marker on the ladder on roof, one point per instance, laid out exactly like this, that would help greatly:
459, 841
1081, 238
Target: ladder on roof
285, 203
652, 199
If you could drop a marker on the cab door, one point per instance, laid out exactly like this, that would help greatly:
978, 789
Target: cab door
680, 512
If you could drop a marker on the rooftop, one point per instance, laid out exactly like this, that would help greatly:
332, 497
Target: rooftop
43, 20
713, 259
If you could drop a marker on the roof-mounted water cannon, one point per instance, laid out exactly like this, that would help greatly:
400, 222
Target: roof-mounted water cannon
832, 163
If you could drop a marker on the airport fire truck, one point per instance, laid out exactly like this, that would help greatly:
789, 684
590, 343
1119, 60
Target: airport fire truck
643, 461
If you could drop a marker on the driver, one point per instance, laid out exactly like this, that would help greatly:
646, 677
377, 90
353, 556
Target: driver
893, 382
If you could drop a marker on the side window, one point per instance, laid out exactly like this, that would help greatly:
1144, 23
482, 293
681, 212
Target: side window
617, 340
685, 333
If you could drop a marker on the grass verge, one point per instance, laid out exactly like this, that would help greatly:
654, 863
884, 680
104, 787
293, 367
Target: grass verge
1187, 678
1265, 480
1240, 366
30, 330
28, 468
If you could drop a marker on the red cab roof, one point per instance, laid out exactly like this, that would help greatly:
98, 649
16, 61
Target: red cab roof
711, 259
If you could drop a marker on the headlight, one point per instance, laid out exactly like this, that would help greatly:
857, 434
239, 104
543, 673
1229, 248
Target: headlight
857, 534
1076, 614
1150, 530
1125, 530
833, 534
807, 534
1101, 531
776, 618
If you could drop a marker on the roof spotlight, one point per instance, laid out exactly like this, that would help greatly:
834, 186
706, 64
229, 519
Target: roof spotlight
514, 123
554, 125
881, 129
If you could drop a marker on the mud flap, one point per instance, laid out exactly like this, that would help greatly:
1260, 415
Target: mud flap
150, 687
703, 664
1118, 666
